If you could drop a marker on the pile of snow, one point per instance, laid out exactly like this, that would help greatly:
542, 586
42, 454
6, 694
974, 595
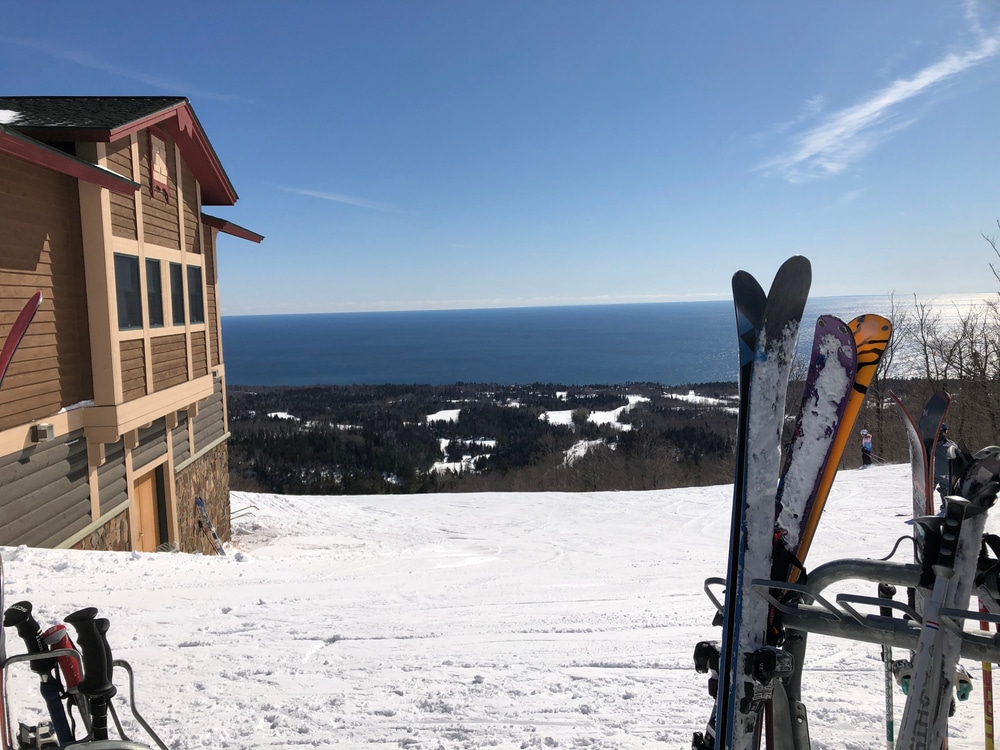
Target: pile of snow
456, 621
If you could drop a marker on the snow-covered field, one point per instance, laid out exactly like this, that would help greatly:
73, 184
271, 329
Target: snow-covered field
455, 621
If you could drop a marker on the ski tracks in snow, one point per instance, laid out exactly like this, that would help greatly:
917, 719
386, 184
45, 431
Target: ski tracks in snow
454, 621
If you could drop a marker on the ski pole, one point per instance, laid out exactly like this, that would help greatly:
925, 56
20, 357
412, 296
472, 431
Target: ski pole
987, 690
20, 618
887, 591
96, 654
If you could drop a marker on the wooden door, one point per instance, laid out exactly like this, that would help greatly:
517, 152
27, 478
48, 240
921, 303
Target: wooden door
145, 501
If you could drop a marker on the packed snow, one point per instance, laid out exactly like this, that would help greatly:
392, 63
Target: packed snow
456, 621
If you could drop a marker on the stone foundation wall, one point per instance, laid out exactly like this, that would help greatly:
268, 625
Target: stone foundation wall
207, 478
114, 535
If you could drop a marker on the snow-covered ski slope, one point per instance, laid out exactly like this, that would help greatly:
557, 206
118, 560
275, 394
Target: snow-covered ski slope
457, 621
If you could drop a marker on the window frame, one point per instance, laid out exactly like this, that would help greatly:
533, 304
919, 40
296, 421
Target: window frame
178, 316
195, 295
128, 301
154, 293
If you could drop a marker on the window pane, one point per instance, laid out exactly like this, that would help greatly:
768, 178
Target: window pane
154, 293
177, 293
128, 295
195, 304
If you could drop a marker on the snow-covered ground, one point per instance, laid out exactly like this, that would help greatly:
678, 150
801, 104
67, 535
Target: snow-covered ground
455, 621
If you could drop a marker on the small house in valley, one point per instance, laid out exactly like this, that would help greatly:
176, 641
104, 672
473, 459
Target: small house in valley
113, 412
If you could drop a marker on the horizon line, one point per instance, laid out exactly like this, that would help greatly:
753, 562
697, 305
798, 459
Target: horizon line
619, 303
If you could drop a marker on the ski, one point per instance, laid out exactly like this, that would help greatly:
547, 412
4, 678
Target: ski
958, 540
929, 428
922, 457
208, 527
762, 407
871, 337
828, 386
17, 331
749, 300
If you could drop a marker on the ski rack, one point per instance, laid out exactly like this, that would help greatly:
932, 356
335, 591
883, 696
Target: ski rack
844, 618
811, 612
88, 743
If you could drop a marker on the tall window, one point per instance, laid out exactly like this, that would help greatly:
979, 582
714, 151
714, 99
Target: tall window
154, 293
128, 295
196, 307
177, 293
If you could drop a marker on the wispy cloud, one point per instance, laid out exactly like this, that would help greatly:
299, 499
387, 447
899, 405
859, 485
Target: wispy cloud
350, 200
848, 135
86, 60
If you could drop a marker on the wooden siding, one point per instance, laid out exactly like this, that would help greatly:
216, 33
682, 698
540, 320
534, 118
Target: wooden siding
160, 222
212, 295
192, 212
133, 356
46, 497
180, 439
169, 361
199, 357
152, 444
122, 206
111, 477
41, 249
210, 424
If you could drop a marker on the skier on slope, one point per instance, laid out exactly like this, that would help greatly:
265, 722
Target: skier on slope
945, 451
866, 449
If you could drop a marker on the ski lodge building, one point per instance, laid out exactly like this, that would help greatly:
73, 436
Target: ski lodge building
113, 412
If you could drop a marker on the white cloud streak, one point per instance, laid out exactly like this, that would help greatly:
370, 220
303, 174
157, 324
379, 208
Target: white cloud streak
347, 199
848, 135
86, 60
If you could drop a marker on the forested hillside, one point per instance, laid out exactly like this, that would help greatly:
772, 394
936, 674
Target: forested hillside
468, 437
476, 437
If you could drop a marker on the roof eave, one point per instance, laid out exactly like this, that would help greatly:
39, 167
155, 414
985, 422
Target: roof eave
27, 149
228, 227
182, 124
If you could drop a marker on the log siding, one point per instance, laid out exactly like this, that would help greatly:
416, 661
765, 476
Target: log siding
210, 424
46, 496
111, 477
152, 445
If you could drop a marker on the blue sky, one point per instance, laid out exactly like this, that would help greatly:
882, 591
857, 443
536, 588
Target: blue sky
431, 155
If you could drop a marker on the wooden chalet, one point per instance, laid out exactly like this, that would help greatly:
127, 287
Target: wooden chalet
113, 413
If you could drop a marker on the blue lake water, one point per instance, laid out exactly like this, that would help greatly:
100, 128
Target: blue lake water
671, 343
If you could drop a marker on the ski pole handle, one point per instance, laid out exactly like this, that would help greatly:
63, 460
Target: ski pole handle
886, 591
19, 617
56, 638
94, 651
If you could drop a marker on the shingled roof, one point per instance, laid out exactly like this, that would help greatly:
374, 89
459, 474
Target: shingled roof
84, 112
103, 119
